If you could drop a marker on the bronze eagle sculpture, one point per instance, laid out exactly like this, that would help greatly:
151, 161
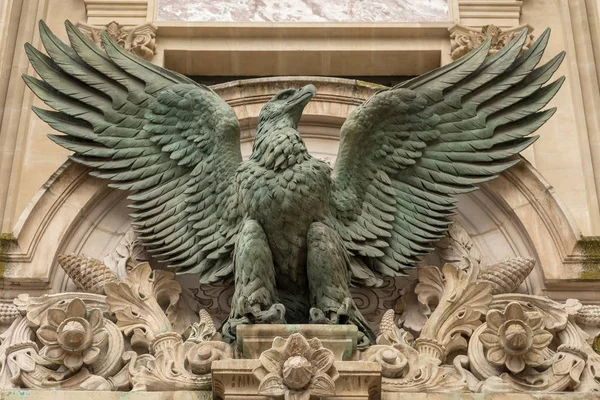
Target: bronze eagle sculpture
292, 234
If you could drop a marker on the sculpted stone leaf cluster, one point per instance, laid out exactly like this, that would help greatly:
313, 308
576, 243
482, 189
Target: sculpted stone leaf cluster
472, 340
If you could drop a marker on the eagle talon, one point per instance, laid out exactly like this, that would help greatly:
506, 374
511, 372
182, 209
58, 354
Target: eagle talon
339, 317
273, 315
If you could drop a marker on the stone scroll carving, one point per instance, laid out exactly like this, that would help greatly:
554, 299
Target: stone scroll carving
140, 40
464, 39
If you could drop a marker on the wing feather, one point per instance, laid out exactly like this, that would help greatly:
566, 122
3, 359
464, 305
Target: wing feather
173, 144
407, 152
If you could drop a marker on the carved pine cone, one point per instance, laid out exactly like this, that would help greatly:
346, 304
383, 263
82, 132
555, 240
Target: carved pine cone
89, 274
387, 323
588, 315
8, 313
507, 275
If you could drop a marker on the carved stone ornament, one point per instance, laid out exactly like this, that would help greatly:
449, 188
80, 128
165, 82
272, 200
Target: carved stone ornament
140, 40
464, 39
476, 336
296, 368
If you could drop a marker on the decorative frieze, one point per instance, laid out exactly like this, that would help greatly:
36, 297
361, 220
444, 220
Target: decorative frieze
140, 39
476, 336
463, 39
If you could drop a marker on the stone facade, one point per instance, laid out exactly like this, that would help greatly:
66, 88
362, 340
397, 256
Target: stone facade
545, 209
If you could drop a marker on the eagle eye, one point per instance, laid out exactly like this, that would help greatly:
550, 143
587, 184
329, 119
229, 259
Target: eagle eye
285, 95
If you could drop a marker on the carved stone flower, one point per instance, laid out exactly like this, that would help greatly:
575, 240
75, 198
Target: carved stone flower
515, 338
74, 337
296, 369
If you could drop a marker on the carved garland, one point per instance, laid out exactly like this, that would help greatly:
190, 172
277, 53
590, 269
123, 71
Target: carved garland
472, 335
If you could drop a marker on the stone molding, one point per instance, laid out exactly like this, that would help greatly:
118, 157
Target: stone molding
127, 12
478, 13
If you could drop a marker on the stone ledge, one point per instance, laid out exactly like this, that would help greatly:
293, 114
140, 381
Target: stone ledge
206, 395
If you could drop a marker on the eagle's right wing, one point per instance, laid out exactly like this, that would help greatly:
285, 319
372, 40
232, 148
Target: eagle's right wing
172, 143
409, 151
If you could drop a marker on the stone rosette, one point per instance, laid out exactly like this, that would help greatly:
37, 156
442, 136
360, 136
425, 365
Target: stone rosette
514, 338
296, 368
73, 337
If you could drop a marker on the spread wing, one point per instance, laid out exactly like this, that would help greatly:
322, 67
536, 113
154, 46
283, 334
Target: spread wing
174, 144
408, 151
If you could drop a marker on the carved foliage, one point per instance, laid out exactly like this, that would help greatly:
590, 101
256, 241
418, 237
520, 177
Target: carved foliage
134, 301
297, 368
464, 39
140, 40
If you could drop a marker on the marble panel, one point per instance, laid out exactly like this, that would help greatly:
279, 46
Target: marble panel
303, 10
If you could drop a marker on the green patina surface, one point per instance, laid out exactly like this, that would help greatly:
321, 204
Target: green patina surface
590, 249
7, 242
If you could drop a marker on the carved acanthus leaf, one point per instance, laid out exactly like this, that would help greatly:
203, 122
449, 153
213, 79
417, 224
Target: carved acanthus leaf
458, 248
126, 254
172, 365
140, 40
458, 313
134, 301
464, 39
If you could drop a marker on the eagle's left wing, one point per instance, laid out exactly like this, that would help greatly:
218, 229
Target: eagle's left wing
172, 144
408, 151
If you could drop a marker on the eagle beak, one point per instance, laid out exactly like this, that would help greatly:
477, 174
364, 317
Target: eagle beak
303, 96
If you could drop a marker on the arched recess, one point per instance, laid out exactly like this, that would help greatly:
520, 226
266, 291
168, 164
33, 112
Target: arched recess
515, 214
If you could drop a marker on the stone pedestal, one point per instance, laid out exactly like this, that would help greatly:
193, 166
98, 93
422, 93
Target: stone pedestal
252, 340
244, 379
234, 380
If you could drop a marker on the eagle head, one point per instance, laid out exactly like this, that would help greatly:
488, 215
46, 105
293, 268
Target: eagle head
287, 106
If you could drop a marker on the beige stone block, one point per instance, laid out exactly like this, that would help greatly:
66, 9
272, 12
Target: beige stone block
252, 340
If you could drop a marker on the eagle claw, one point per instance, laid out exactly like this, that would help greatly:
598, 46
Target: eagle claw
330, 317
274, 315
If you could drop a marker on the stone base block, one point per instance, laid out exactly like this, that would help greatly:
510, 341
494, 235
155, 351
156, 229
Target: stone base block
233, 380
252, 340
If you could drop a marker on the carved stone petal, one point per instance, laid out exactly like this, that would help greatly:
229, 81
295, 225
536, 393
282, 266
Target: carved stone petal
494, 319
322, 359
91, 355
297, 395
54, 353
95, 319
515, 364
322, 385
99, 338
541, 339
514, 311
489, 338
56, 316
47, 335
535, 320
496, 355
271, 359
534, 357
296, 345
272, 385
76, 308
73, 361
